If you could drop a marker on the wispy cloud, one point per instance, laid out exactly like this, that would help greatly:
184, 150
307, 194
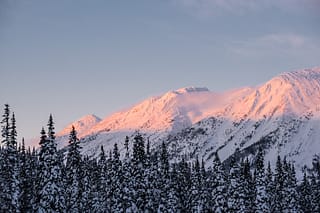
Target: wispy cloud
285, 40
275, 43
216, 7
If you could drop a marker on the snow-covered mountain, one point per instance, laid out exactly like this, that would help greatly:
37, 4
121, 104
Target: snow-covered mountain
282, 115
82, 125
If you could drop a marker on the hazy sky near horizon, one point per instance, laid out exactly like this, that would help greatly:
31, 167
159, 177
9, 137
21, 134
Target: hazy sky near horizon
77, 57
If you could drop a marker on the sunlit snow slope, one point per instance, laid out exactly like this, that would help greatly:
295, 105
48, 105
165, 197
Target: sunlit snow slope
282, 115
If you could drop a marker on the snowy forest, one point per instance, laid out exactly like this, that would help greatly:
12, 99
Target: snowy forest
51, 180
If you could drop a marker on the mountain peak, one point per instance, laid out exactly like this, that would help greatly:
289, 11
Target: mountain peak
312, 74
81, 125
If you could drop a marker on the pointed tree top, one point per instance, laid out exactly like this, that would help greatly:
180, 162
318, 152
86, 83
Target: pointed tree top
51, 128
216, 157
43, 132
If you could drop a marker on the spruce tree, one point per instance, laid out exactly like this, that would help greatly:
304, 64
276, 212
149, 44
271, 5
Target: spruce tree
196, 202
270, 189
6, 168
315, 183
26, 179
33, 163
138, 164
277, 205
184, 185
289, 188
94, 195
85, 184
15, 163
99, 196
73, 173
248, 186
51, 189
164, 179
261, 201
205, 193
110, 176
174, 204
152, 180
10, 166
236, 197
305, 195
116, 178
218, 181
5, 124
128, 193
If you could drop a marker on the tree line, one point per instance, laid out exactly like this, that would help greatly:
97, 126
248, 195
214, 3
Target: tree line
49, 180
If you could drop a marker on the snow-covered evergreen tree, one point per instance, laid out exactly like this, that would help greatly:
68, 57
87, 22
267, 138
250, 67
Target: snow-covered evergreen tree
305, 195
15, 166
270, 186
51, 190
94, 194
174, 204
184, 185
99, 197
218, 183
152, 179
196, 187
26, 179
10, 193
290, 188
315, 184
138, 165
261, 201
205, 193
248, 186
236, 194
73, 174
5, 124
277, 204
85, 184
116, 178
164, 179
34, 166
128, 193
5, 172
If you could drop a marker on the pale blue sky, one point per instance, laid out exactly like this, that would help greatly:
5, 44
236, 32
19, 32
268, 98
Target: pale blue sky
76, 57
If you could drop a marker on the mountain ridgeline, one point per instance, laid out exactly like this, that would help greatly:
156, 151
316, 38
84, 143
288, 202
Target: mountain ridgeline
282, 116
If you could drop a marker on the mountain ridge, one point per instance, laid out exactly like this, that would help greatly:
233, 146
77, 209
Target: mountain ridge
198, 122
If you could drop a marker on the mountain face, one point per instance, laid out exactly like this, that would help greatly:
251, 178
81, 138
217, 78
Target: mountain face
282, 116
82, 126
